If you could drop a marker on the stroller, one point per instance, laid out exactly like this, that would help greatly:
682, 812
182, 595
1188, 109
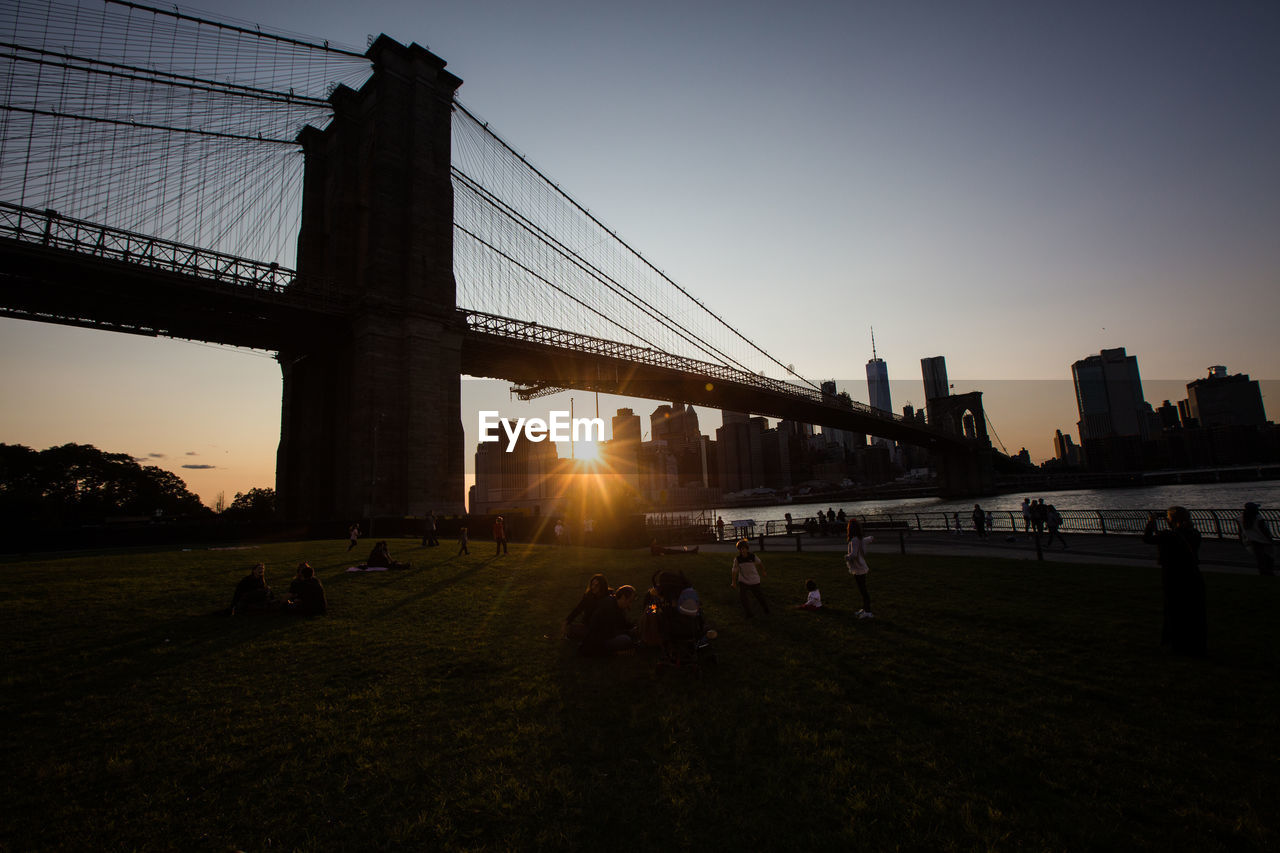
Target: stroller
686, 642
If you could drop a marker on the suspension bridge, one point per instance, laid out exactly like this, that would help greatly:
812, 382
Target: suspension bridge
166, 174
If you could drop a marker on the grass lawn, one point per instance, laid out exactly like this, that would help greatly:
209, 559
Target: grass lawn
990, 705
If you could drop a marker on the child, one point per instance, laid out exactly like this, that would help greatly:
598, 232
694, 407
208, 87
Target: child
747, 572
856, 559
814, 601
462, 541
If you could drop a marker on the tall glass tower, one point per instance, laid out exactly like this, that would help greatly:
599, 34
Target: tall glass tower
878, 380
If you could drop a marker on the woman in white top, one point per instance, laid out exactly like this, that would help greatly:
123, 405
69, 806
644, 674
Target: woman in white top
856, 559
747, 572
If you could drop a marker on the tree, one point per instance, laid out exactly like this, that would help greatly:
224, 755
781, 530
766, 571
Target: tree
254, 505
77, 484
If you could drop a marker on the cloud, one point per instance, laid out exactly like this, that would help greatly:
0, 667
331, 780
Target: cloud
192, 453
199, 467
155, 455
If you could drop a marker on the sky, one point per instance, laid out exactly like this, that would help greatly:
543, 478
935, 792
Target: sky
1012, 186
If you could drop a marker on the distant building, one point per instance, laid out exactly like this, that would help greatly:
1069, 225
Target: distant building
934, 372
1169, 416
878, 385
1109, 396
1065, 450
740, 446
1222, 400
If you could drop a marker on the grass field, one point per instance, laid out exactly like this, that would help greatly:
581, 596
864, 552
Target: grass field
991, 705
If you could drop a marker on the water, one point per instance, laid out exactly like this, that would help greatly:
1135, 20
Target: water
1193, 496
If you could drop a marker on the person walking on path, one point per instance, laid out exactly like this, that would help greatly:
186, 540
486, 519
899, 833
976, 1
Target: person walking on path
747, 573
355, 536
499, 536
980, 521
856, 559
1185, 627
1256, 537
1053, 520
462, 542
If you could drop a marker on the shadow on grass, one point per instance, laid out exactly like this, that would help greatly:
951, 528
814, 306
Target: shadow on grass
175, 643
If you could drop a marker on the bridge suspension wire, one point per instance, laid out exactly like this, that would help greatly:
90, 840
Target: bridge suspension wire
540, 235
539, 223
154, 121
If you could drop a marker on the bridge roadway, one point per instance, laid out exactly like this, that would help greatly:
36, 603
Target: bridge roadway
62, 270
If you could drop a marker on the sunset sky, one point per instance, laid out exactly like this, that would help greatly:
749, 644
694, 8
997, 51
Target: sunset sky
1013, 186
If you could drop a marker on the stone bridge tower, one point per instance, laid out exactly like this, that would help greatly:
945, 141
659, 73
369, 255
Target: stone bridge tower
370, 423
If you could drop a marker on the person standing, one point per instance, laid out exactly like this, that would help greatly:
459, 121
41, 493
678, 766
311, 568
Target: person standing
429, 539
746, 576
1185, 627
1053, 520
1256, 537
856, 559
499, 536
720, 528
1026, 515
355, 536
980, 521
462, 542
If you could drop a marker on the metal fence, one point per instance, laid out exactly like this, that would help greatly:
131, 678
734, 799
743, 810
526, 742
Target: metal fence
1215, 523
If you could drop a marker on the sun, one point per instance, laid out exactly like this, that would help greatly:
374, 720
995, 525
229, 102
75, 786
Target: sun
587, 451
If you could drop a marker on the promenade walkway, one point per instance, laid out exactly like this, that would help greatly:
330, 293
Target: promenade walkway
1226, 555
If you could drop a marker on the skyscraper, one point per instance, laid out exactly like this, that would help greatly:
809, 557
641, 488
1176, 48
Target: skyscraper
878, 380
934, 371
1226, 400
1109, 395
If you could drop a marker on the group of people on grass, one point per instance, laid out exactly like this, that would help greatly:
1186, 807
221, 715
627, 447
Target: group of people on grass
306, 593
600, 618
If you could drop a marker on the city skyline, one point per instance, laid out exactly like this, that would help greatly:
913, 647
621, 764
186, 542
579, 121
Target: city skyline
1012, 189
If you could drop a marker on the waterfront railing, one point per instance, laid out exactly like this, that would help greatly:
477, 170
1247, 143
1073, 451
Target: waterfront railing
1214, 523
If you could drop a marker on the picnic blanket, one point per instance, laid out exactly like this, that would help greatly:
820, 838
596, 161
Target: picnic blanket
367, 569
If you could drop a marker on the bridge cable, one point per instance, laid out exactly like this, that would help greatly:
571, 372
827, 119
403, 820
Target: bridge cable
594, 272
637, 254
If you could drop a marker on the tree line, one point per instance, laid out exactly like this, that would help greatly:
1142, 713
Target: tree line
78, 484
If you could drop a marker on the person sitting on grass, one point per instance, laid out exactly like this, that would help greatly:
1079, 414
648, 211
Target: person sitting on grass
252, 593
307, 593
380, 558
609, 630
597, 591
814, 600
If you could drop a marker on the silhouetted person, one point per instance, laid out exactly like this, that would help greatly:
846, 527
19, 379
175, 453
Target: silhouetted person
979, 521
1053, 520
1026, 515
308, 595
609, 630
597, 591
720, 528
252, 592
1256, 537
499, 536
380, 557
1185, 628
355, 536
462, 541
429, 539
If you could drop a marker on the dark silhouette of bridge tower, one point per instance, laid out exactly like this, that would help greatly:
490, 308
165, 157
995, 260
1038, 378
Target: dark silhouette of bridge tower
370, 422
